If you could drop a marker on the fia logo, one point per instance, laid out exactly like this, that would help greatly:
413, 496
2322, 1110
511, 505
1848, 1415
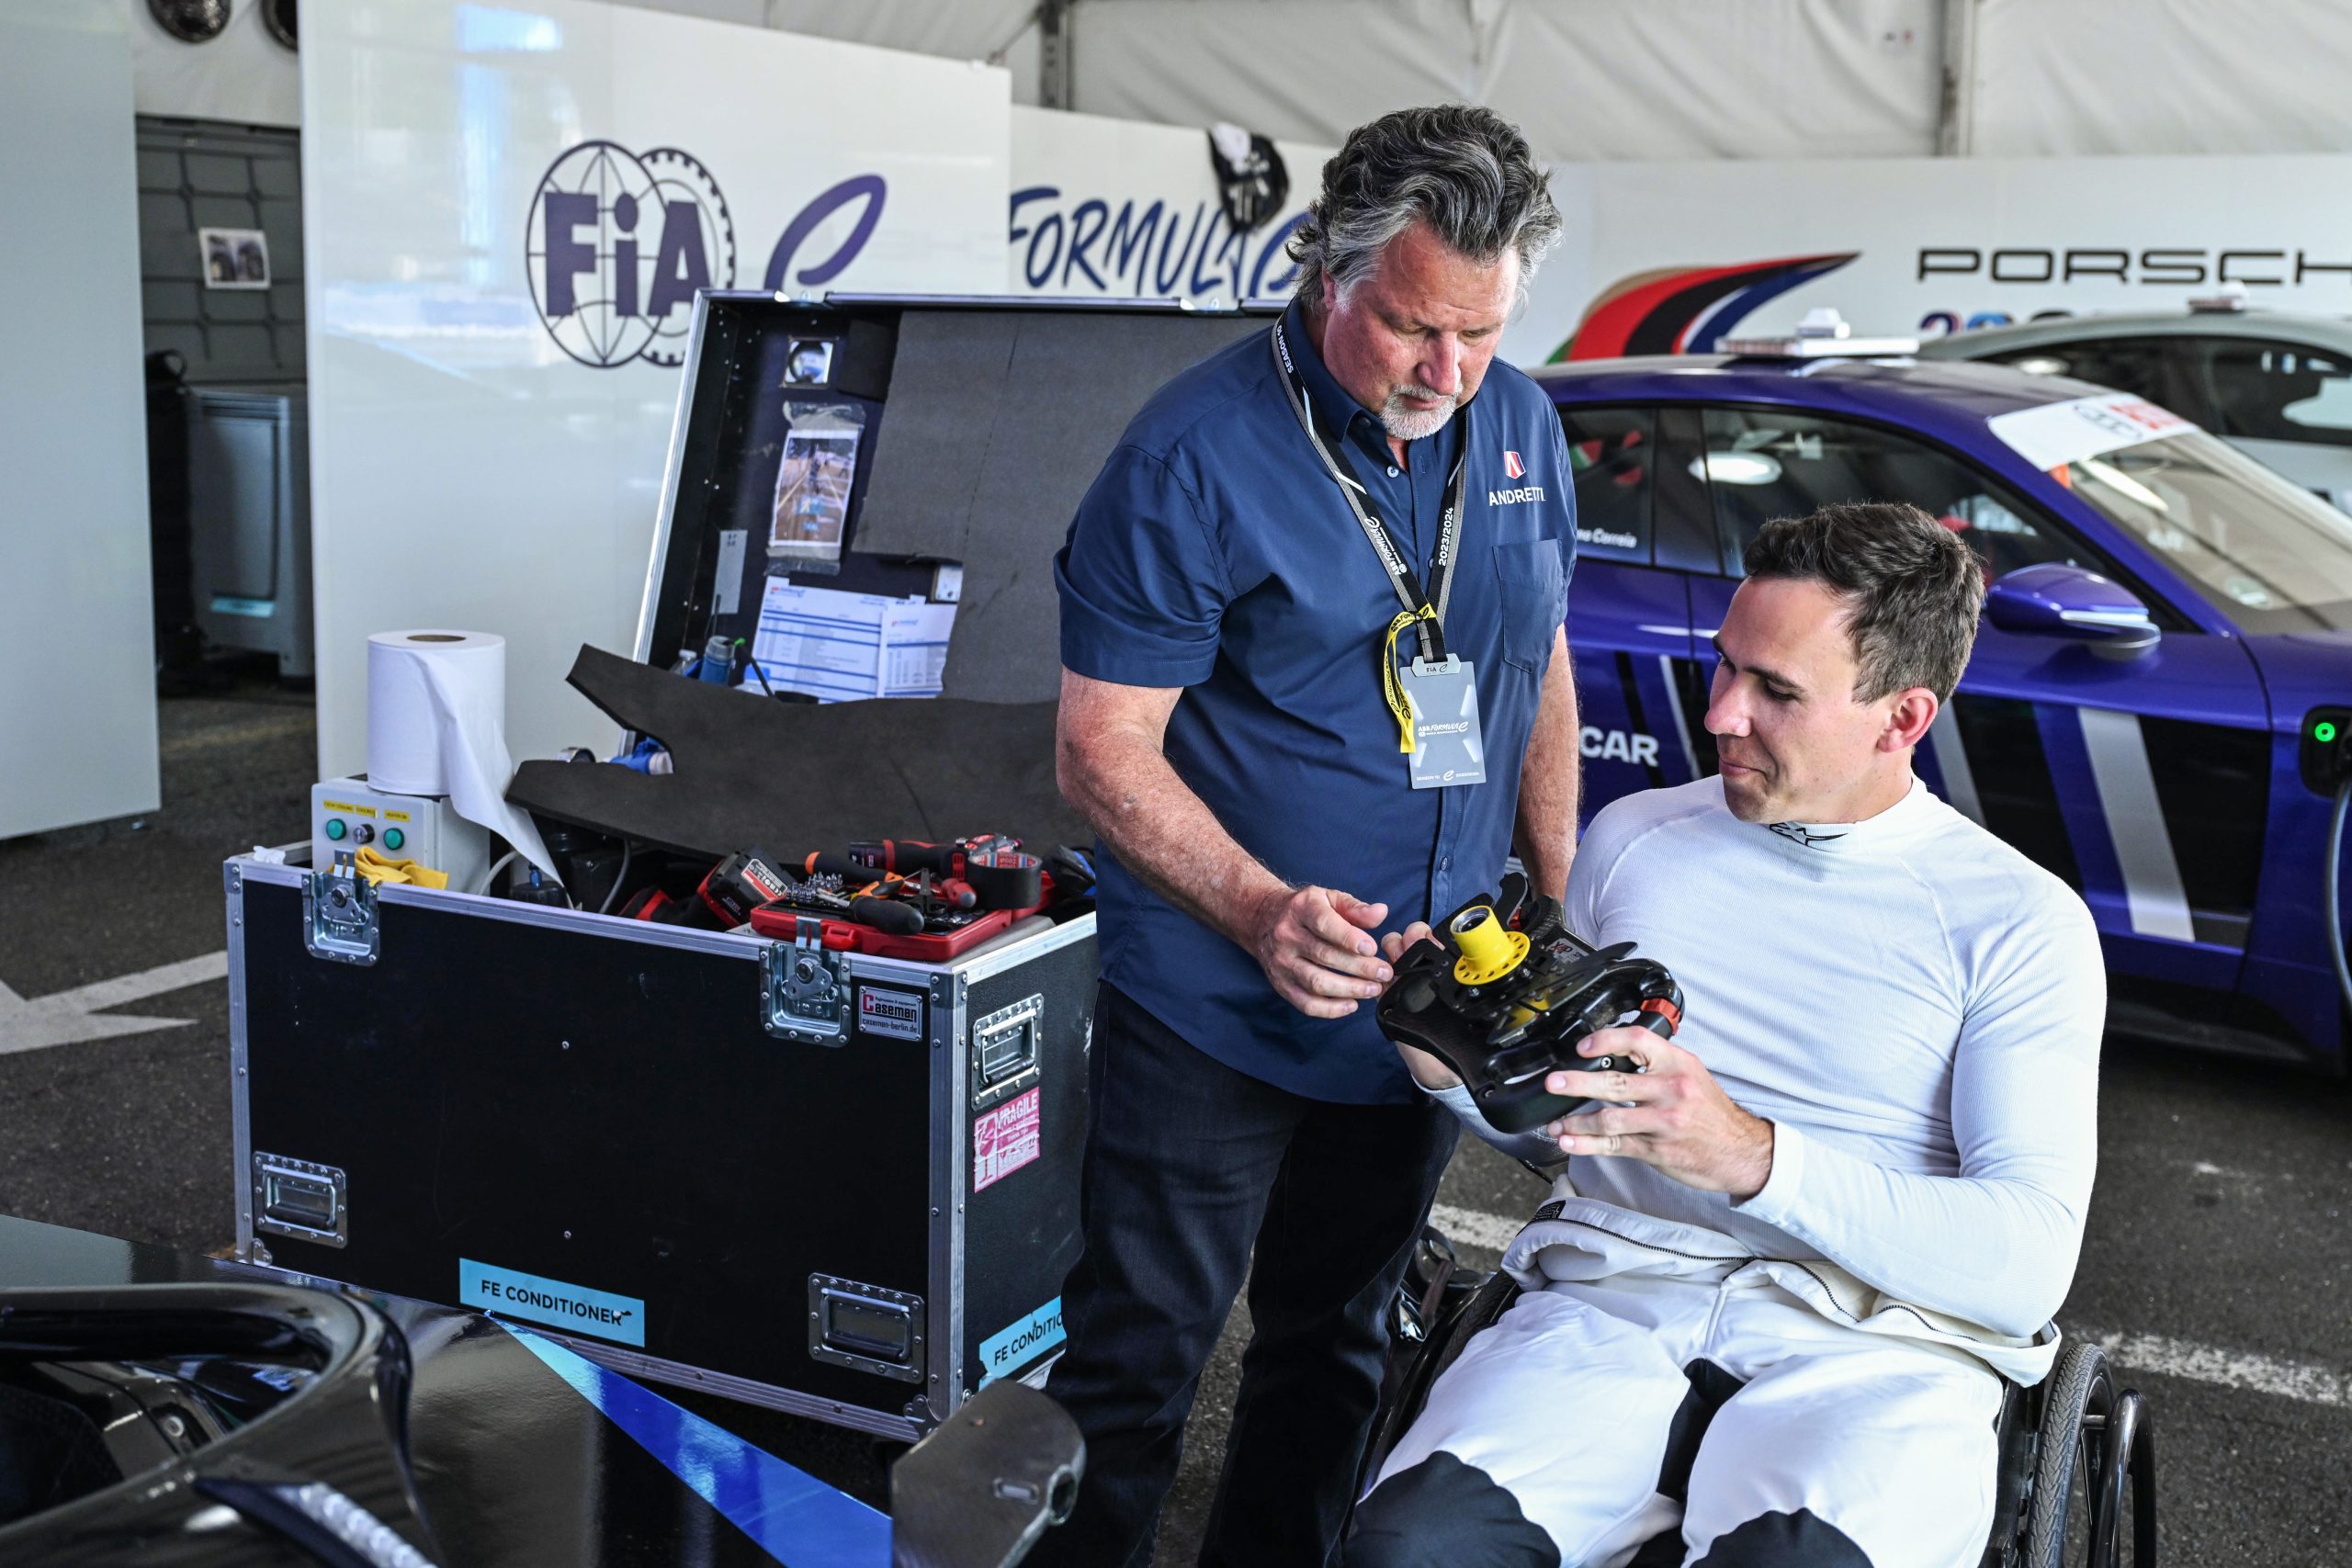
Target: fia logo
616, 247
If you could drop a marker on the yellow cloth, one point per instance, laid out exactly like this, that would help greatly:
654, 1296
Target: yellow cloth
379, 871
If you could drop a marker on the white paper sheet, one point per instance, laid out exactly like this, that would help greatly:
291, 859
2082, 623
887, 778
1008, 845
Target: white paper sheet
914, 647
839, 646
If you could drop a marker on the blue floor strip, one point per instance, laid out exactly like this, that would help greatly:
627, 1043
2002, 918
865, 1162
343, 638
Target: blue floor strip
796, 1518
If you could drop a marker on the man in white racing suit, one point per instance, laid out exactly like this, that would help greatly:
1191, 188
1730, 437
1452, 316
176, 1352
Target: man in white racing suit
1787, 1257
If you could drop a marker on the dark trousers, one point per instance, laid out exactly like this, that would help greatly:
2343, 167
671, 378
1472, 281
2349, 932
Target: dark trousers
1188, 1164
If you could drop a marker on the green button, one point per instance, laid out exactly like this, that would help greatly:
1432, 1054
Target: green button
335, 829
394, 837
2323, 732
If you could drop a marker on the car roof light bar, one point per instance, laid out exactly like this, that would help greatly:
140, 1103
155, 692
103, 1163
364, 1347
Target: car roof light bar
1823, 334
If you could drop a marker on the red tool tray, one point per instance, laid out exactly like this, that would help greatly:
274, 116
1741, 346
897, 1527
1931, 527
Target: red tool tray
782, 924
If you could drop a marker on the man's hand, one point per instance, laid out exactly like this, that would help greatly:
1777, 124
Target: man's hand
1392, 945
1316, 946
1429, 1072
1678, 1120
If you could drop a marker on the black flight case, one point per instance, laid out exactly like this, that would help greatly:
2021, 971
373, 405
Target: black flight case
834, 1183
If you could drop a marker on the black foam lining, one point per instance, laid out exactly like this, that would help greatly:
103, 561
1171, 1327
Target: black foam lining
796, 777
998, 421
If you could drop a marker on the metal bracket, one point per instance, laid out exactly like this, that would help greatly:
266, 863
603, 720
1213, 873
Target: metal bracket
296, 1197
339, 914
865, 1326
804, 989
1006, 1045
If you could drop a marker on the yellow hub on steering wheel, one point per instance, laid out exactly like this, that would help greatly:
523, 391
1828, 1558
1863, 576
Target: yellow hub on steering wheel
1489, 950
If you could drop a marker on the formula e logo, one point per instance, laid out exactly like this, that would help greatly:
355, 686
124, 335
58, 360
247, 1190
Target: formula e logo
1512, 467
616, 247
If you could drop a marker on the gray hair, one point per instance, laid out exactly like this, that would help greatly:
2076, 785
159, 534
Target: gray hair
1912, 589
1464, 171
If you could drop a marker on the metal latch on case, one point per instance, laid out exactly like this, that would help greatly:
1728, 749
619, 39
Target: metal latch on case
804, 989
865, 1326
299, 1199
1004, 1050
339, 914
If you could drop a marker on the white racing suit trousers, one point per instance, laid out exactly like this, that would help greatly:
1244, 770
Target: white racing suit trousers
1656, 1399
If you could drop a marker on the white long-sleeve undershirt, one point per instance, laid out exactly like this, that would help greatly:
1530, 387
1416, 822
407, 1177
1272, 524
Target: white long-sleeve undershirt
1914, 1005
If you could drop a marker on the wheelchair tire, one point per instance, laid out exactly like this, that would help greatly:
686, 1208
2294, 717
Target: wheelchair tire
2070, 1459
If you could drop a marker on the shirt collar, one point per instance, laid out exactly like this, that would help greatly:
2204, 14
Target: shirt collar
1336, 412
1904, 816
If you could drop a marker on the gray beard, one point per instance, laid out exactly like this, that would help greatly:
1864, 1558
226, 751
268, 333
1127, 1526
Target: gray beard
1411, 424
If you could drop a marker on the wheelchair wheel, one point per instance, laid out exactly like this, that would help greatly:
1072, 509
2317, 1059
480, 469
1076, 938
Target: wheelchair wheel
2095, 1448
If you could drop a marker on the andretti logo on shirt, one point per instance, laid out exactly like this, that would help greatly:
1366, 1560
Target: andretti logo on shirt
1515, 468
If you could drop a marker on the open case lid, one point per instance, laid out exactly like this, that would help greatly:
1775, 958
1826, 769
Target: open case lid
983, 422
917, 431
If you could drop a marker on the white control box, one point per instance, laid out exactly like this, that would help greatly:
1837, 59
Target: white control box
349, 815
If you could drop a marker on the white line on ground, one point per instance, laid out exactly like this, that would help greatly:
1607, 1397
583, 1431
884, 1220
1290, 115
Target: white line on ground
34, 1023
2153, 1353
2230, 1369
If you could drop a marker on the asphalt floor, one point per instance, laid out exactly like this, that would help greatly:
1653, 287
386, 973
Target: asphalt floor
2217, 1267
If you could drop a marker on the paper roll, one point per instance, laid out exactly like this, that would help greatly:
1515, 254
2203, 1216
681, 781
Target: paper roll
437, 725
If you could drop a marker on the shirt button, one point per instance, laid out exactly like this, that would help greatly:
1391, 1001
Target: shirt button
1445, 864
1392, 470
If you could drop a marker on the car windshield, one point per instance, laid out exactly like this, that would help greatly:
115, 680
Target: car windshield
2269, 556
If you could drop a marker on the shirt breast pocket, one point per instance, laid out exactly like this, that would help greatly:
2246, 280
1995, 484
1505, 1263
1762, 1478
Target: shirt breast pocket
1527, 585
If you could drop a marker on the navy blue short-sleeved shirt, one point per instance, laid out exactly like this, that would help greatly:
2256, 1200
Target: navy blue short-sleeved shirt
1214, 553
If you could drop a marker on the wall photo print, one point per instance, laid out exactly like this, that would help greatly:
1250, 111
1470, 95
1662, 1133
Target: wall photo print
235, 258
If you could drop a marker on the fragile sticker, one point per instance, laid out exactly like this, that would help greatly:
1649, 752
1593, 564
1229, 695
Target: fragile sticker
895, 1014
1005, 1139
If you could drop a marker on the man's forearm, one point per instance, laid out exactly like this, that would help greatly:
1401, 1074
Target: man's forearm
1164, 834
1545, 835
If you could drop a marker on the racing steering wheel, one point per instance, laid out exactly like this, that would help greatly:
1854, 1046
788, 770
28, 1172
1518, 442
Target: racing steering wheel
1501, 992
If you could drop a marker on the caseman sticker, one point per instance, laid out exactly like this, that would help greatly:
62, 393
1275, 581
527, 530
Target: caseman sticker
897, 1015
507, 1292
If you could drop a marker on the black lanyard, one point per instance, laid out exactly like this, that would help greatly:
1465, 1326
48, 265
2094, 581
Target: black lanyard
1425, 610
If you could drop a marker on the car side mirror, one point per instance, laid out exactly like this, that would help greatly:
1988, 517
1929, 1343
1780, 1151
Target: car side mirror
2055, 600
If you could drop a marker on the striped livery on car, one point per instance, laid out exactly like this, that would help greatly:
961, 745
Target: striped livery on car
2164, 783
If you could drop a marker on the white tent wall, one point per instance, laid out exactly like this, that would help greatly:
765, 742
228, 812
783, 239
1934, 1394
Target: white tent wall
1298, 70
2071, 77
245, 76
1002, 32
1640, 80
1590, 79
1587, 79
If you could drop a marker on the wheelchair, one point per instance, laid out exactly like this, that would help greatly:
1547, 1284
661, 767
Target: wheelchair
2074, 1452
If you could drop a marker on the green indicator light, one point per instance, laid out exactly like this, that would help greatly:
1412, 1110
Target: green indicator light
2323, 732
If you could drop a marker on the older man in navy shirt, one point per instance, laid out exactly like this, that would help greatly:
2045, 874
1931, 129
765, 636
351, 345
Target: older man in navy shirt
1315, 687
